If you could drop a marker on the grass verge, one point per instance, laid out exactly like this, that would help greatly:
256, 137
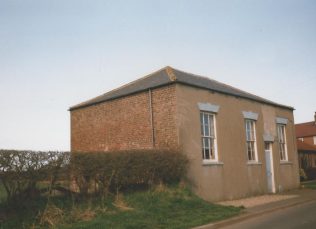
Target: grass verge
169, 207
310, 185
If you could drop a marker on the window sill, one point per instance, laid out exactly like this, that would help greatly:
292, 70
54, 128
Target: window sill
286, 163
212, 163
254, 163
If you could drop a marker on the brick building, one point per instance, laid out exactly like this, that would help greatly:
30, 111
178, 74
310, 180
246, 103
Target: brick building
238, 144
306, 146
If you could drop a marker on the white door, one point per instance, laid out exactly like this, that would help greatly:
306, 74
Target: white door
269, 167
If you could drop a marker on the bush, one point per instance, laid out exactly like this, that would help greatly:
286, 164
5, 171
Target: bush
98, 172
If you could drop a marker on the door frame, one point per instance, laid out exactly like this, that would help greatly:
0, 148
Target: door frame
269, 151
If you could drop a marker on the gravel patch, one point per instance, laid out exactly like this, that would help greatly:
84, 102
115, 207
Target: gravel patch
257, 200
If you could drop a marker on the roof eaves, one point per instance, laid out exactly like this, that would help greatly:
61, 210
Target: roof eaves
179, 82
306, 151
305, 135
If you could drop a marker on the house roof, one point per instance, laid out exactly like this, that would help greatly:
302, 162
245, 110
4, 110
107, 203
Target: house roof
303, 146
169, 75
306, 129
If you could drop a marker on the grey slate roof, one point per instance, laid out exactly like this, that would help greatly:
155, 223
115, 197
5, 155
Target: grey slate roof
168, 75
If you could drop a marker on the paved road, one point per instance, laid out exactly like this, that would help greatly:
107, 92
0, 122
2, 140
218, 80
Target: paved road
301, 216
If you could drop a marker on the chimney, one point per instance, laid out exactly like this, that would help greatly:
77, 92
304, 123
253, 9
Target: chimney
315, 118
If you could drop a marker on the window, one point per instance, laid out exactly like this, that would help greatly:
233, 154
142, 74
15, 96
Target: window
282, 142
251, 140
208, 134
314, 140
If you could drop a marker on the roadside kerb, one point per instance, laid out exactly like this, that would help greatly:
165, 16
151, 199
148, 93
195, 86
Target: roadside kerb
250, 213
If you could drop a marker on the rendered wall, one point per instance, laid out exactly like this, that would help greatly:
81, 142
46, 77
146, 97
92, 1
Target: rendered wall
233, 178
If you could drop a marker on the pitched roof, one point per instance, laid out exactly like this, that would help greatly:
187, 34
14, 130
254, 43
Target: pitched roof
168, 75
306, 129
303, 146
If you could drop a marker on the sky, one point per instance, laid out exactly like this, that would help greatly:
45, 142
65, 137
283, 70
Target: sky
57, 53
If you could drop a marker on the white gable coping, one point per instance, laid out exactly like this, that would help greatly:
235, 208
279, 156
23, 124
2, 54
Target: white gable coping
268, 138
250, 115
280, 120
208, 107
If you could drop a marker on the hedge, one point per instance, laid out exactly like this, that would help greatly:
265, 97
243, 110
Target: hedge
99, 171
311, 173
91, 172
21, 171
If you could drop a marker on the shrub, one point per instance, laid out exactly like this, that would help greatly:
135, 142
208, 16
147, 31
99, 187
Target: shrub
99, 171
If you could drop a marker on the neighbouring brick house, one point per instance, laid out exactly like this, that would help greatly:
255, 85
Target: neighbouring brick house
238, 144
306, 146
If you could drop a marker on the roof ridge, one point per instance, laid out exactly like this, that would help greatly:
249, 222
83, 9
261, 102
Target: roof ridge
304, 123
190, 73
170, 73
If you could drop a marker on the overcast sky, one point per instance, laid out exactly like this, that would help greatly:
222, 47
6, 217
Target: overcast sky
55, 54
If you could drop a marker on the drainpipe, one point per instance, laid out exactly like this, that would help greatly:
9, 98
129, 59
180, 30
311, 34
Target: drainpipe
295, 146
151, 119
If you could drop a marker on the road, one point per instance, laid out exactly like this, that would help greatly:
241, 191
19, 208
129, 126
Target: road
301, 216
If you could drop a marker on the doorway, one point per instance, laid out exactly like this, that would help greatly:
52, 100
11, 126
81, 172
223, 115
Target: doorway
269, 167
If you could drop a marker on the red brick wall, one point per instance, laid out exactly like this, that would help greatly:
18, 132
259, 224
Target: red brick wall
164, 115
124, 123
309, 140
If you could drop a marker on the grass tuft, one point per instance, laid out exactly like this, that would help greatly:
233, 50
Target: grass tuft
51, 216
78, 214
121, 204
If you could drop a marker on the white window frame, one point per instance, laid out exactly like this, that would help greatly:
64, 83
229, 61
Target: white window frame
314, 138
283, 154
254, 140
209, 137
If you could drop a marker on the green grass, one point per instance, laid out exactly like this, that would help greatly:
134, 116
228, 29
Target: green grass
310, 185
3, 194
171, 207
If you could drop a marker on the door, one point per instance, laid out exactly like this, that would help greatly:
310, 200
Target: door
269, 167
